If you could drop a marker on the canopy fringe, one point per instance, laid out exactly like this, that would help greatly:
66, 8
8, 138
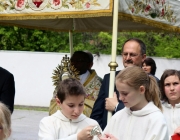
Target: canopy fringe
53, 16
162, 26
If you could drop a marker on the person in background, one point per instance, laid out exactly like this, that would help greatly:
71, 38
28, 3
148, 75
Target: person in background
7, 88
91, 63
68, 123
149, 66
170, 96
142, 117
88, 77
5, 122
133, 53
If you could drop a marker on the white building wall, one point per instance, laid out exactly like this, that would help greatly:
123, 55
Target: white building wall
33, 71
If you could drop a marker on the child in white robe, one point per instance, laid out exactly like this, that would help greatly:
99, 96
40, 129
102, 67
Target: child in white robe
170, 90
69, 123
141, 119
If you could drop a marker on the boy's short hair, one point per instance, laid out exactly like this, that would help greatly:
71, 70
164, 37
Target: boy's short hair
69, 87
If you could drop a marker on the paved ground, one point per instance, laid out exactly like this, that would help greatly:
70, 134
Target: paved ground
25, 124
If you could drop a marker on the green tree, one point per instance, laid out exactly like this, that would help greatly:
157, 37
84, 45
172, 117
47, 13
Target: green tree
168, 45
15, 38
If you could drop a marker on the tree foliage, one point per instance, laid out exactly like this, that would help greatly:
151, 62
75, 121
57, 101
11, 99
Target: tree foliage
15, 38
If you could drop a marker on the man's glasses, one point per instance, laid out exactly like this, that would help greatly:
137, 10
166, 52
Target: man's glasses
132, 55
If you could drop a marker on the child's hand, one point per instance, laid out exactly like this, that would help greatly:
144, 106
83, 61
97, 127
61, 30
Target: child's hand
177, 131
108, 137
85, 134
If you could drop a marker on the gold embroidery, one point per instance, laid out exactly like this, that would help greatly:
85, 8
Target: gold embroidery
161, 26
153, 8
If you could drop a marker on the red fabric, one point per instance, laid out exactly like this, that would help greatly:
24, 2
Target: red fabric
38, 4
175, 137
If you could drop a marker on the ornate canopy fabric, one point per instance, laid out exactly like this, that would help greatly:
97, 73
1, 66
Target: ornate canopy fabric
92, 15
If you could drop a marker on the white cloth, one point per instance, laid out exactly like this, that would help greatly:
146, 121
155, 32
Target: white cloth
58, 127
145, 124
172, 116
84, 76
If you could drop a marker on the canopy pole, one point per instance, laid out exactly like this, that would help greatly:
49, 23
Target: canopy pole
71, 42
113, 63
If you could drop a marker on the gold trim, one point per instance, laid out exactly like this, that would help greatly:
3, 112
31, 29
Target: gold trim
153, 23
90, 78
53, 15
113, 66
63, 14
122, 16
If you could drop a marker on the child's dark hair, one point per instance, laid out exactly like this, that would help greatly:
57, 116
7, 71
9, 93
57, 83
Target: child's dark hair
69, 87
150, 62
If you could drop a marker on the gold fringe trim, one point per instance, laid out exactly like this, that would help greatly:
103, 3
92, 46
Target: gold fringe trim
161, 26
53, 15
56, 15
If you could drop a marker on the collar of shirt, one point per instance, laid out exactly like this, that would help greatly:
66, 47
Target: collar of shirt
83, 77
